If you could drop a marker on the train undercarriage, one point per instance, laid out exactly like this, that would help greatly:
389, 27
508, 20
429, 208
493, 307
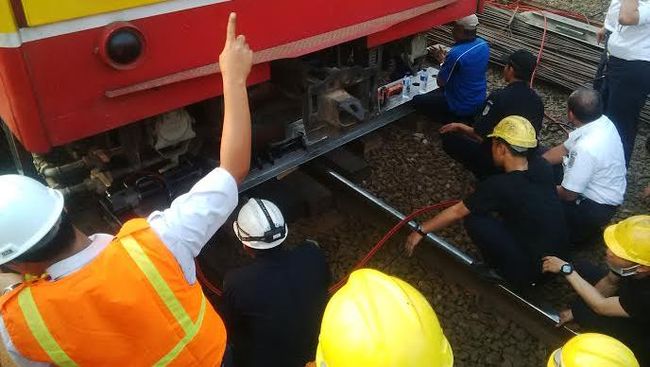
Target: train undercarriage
310, 106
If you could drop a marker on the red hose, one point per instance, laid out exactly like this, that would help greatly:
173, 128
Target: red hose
203, 280
389, 235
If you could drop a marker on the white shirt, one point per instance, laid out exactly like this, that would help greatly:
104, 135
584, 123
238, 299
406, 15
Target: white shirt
595, 165
629, 42
189, 223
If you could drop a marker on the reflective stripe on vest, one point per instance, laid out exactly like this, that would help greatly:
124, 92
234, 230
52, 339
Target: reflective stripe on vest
47, 342
40, 331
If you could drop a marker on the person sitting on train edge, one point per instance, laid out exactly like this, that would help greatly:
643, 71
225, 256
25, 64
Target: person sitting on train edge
529, 223
127, 300
462, 78
468, 144
272, 308
380, 321
593, 163
593, 350
618, 303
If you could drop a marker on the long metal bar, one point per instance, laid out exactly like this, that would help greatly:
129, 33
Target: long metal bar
442, 244
437, 241
295, 159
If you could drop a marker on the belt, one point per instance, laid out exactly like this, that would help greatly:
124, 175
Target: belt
584, 199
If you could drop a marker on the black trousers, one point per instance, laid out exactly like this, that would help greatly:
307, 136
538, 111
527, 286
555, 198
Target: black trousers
630, 332
434, 105
475, 156
625, 88
586, 220
501, 251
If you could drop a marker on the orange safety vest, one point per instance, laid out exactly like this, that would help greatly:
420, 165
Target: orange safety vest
130, 306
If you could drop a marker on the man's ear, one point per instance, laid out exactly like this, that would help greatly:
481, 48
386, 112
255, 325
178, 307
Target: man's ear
572, 117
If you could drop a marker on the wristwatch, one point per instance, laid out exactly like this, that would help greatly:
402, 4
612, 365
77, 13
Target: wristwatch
566, 269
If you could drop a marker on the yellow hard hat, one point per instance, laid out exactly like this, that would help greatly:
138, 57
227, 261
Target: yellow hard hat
517, 131
593, 350
630, 239
376, 320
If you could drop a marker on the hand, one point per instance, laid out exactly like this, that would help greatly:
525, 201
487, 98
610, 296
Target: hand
566, 316
236, 59
552, 264
412, 241
439, 54
600, 35
454, 127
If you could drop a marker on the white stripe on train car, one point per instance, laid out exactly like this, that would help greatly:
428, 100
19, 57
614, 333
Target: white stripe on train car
95, 21
9, 40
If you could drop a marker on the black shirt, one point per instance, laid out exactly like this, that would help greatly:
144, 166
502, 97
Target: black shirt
634, 296
515, 99
273, 307
528, 204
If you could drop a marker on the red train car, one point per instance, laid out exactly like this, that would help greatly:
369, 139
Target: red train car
76, 76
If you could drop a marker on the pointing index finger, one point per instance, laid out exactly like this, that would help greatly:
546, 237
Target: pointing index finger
232, 27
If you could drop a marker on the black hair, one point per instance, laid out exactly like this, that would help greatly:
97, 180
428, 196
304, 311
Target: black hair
521, 73
513, 151
586, 104
523, 63
59, 239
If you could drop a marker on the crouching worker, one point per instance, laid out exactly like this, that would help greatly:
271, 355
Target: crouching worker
515, 218
469, 144
130, 299
593, 350
462, 78
594, 170
273, 307
380, 321
618, 303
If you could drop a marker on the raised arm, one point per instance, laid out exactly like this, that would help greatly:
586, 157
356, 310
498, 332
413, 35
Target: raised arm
193, 218
235, 62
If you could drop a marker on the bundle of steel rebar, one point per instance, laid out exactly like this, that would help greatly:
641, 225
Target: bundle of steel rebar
570, 55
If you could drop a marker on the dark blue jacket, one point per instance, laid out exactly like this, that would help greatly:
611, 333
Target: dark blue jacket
273, 307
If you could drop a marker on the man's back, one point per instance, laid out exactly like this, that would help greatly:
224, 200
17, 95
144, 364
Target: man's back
274, 306
515, 99
595, 166
528, 205
464, 71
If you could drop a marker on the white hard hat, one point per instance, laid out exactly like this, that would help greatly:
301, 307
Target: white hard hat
470, 22
260, 225
29, 211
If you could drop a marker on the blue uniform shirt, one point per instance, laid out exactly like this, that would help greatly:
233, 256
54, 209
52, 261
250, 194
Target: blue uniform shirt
464, 71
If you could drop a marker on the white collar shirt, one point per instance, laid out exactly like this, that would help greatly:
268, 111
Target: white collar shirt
629, 42
595, 166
